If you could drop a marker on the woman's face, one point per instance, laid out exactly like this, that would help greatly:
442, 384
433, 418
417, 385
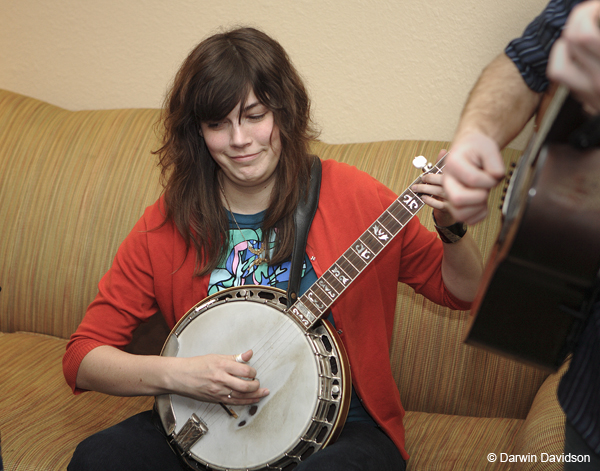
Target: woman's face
246, 150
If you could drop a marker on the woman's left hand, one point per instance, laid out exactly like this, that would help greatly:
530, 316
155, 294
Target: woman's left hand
432, 194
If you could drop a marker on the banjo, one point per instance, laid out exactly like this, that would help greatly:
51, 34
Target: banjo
300, 358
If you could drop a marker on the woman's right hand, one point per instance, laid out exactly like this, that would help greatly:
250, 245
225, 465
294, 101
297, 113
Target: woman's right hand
218, 378
212, 378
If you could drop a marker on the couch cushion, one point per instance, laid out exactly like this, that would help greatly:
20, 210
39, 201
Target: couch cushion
544, 428
445, 442
35, 401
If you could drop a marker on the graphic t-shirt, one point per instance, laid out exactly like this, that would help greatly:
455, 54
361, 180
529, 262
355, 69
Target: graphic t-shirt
246, 264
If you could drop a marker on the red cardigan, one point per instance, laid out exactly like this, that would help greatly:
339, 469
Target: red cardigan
151, 272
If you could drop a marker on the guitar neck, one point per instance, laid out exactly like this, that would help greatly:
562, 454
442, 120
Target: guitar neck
316, 301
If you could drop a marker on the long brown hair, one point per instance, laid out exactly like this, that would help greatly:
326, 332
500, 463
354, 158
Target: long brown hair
217, 75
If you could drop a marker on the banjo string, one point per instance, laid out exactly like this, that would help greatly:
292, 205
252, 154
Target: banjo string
266, 351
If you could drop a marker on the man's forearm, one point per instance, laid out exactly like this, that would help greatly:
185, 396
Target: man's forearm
500, 103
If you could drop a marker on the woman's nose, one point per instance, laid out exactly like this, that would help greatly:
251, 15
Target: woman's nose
239, 135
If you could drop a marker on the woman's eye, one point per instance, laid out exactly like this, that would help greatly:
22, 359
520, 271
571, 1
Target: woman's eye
214, 125
256, 117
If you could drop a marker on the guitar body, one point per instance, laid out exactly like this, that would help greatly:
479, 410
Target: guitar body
544, 266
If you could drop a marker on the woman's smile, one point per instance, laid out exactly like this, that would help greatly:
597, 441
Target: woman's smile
246, 145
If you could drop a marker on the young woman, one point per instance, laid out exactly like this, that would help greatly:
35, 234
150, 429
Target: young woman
235, 161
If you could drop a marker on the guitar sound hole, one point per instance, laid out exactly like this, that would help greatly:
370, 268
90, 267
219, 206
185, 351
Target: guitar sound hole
266, 295
326, 343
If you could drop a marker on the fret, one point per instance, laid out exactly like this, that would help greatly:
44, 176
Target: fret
354, 257
363, 251
306, 302
326, 287
347, 267
436, 168
303, 314
411, 202
391, 224
314, 299
340, 275
380, 232
332, 281
371, 243
400, 212
320, 295
313, 304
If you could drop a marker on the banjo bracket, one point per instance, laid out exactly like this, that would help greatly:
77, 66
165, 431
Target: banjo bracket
193, 430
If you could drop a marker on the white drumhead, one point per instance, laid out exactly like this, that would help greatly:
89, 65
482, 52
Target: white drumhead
285, 363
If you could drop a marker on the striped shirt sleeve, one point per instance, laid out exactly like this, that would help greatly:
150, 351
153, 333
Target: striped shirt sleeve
530, 52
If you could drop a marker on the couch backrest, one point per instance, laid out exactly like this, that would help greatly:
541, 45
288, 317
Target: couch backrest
73, 184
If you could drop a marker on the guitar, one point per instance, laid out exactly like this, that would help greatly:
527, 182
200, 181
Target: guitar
544, 267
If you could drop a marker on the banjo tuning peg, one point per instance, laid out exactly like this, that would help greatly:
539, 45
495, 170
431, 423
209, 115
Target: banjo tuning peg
421, 163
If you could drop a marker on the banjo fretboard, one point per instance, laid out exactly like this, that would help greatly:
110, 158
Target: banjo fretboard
314, 303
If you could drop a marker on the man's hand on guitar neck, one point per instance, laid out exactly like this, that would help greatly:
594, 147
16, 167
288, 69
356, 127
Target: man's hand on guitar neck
575, 56
473, 168
498, 108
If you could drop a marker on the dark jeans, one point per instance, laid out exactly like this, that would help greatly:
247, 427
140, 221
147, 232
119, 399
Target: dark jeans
137, 444
360, 447
575, 445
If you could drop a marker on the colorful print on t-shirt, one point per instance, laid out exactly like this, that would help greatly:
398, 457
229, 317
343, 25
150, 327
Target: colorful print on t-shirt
244, 266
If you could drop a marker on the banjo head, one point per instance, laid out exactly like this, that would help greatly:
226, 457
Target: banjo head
306, 373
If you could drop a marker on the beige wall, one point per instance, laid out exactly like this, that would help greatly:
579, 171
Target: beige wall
376, 69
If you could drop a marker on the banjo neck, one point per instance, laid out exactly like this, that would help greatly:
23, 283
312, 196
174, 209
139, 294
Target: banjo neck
316, 301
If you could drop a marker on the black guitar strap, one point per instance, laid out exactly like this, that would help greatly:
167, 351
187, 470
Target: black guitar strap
305, 212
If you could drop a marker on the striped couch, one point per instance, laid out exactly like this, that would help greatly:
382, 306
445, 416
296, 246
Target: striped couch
72, 184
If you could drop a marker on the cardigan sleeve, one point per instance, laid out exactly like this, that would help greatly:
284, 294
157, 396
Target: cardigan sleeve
351, 200
421, 266
125, 299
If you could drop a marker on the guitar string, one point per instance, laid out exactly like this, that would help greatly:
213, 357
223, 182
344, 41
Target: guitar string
215, 409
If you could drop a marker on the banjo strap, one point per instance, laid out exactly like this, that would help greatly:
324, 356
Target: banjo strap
305, 212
